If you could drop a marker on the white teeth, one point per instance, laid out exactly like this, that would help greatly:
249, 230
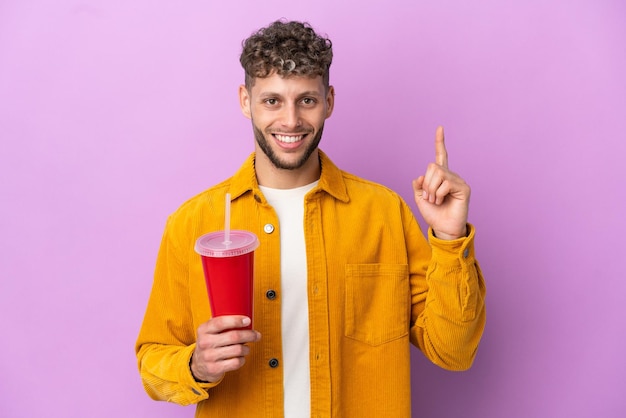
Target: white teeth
288, 139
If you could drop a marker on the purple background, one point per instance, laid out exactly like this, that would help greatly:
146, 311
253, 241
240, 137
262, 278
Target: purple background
112, 113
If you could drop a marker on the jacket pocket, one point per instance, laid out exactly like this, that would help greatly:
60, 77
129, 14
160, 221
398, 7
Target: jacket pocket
377, 304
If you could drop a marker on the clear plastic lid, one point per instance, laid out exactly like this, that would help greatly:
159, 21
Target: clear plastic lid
213, 244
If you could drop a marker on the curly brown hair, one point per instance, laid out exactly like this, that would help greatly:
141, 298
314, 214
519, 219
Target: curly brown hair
286, 48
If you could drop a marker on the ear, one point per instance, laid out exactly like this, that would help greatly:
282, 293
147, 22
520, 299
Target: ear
330, 101
244, 101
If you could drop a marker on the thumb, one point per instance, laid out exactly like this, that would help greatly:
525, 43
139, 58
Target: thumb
418, 188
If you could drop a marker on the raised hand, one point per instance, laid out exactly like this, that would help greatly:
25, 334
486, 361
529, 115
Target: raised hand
221, 347
442, 197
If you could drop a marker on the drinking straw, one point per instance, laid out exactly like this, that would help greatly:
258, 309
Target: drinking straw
227, 221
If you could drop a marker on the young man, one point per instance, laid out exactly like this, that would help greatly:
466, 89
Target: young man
344, 278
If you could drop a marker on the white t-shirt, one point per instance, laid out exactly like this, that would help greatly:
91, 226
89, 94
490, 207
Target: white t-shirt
289, 206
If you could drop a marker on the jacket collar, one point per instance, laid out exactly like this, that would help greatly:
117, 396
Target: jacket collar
331, 180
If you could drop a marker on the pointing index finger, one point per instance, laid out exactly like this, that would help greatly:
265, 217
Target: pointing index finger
441, 155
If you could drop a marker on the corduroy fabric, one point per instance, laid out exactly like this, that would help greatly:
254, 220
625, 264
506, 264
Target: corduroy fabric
374, 282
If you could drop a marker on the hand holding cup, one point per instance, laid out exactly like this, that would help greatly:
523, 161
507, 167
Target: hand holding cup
221, 347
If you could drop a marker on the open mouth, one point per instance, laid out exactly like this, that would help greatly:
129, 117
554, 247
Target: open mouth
288, 139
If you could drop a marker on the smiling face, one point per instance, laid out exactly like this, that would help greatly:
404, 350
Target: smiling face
288, 115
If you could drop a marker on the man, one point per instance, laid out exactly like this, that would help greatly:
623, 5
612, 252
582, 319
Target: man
344, 277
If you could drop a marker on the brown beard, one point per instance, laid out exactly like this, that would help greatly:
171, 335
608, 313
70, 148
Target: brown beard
267, 150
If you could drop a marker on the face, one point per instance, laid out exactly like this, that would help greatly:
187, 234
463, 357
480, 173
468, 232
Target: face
287, 116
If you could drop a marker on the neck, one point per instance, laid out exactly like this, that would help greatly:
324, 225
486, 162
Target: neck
269, 175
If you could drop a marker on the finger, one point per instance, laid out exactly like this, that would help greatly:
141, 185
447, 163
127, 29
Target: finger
442, 192
433, 186
441, 154
220, 324
418, 189
232, 364
418, 183
231, 351
213, 370
227, 339
433, 178
240, 336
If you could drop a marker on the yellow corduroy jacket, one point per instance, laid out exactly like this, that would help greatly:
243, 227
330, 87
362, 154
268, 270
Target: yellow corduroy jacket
375, 284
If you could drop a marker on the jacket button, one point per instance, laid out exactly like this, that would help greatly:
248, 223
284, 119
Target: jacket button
273, 363
270, 294
268, 228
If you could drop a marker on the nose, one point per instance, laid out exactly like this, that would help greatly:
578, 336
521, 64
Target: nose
290, 117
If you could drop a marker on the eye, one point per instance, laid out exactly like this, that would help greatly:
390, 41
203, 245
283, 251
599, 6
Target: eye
308, 101
271, 101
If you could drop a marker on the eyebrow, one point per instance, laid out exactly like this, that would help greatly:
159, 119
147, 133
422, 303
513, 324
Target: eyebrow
303, 94
311, 93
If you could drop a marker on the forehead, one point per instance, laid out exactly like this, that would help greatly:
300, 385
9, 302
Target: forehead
288, 86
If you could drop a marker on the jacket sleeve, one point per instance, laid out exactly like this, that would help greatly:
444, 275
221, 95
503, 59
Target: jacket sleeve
447, 299
167, 336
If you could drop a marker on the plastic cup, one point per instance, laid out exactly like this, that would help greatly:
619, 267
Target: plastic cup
229, 271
